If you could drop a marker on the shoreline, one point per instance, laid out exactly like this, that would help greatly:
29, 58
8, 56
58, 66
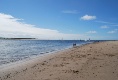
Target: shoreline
27, 60
28, 48
40, 55
83, 62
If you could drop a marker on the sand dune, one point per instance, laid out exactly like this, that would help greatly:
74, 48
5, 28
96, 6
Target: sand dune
97, 61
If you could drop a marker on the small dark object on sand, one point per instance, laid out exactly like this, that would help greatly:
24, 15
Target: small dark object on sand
74, 44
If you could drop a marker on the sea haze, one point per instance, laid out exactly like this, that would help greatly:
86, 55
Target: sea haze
17, 50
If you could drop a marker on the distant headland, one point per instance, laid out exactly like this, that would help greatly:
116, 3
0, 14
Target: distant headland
16, 38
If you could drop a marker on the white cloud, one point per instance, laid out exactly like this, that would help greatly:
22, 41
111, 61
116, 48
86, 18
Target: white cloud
87, 17
113, 31
70, 11
104, 27
12, 27
104, 22
92, 32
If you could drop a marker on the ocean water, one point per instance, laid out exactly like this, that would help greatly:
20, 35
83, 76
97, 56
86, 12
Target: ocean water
17, 50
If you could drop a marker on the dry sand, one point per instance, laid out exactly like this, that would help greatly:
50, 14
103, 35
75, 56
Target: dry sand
97, 61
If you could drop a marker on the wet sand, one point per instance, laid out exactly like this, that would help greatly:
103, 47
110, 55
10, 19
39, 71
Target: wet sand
97, 61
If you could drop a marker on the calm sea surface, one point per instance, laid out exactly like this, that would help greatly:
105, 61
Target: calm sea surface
16, 50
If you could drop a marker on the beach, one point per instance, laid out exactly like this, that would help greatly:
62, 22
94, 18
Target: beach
95, 61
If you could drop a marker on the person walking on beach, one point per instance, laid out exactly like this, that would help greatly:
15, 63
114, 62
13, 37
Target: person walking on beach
74, 44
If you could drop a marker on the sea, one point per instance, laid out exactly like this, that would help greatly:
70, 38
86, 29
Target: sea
17, 50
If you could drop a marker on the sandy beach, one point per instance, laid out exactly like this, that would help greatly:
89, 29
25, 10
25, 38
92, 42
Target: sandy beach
96, 61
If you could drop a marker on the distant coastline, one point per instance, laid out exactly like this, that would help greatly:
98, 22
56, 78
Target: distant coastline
16, 38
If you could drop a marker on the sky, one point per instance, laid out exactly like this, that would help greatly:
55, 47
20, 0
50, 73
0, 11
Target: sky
59, 19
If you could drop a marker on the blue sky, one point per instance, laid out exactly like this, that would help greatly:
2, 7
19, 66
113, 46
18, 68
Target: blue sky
57, 19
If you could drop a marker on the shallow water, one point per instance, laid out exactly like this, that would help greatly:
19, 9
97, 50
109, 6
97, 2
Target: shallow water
16, 50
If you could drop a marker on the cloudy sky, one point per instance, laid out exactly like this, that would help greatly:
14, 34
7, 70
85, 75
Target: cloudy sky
57, 19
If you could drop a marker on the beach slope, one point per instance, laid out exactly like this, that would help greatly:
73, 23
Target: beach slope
96, 61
